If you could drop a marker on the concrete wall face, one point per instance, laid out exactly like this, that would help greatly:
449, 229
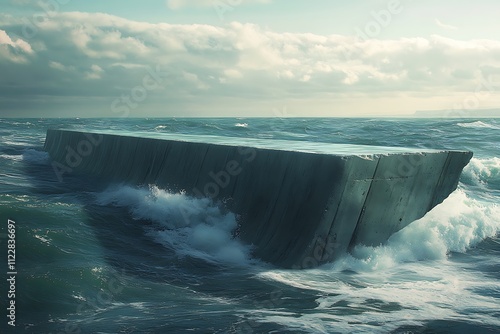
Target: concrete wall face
298, 209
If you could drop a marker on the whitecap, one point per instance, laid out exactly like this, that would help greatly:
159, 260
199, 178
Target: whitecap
456, 225
477, 124
12, 143
42, 239
190, 226
482, 171
35, 157
11, 157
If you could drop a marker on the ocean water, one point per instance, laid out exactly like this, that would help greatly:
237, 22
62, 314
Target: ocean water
112, 258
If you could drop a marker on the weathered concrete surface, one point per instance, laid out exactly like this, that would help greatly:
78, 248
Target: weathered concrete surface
301, 205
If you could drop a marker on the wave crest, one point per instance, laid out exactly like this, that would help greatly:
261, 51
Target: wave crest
190, 226
456, 225
482, 171
477, 124
35, 157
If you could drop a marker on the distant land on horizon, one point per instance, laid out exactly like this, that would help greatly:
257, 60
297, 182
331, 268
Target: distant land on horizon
450, 113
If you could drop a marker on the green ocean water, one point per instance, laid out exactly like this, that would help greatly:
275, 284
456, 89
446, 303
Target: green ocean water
97, 257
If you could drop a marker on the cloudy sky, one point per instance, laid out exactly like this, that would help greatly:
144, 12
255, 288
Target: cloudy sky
243, 58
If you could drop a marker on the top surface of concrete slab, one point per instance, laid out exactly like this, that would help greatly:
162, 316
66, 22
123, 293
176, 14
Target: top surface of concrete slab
274, 144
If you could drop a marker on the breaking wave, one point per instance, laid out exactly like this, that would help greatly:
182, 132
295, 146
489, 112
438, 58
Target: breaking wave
190, 226
456, 225
483, 172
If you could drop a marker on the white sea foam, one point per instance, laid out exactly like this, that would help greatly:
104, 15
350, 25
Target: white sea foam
28, 155
189, 226
456, 225
36, 157
42, 239
412, 276
241, 125
477, 124
385, 300
483, 171
18, 143
11, 157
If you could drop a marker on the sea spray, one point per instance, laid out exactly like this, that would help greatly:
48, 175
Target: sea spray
456, 225
483, 172
190, 226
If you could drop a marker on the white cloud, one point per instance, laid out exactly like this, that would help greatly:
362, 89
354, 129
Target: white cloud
94, 73
19, 43
106, 56
4, 38
444, 26
194, 81
14, 50
232, 73
57, 66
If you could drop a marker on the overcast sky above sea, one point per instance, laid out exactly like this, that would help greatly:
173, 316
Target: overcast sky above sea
245, 58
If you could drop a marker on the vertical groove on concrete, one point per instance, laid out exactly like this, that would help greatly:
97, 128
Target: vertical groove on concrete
362, 213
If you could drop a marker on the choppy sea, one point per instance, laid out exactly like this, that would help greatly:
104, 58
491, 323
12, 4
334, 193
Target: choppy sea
107, 258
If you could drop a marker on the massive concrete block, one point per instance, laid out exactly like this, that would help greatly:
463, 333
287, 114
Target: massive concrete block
300, 204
